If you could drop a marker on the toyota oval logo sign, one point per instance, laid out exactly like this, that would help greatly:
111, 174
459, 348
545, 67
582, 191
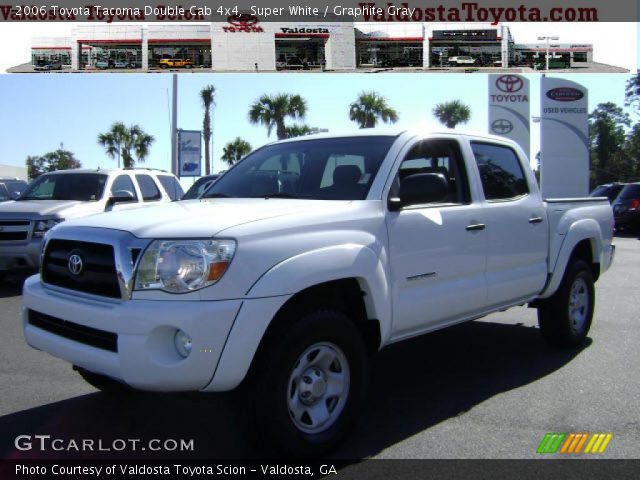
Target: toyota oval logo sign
509, 83
565, 94
75, 264
242, 22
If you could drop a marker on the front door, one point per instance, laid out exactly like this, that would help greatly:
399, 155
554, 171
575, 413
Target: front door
437, 250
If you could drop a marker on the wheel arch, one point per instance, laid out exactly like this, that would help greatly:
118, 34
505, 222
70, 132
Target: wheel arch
581, 242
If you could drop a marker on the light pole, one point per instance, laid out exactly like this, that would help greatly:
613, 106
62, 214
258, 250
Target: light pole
548, 39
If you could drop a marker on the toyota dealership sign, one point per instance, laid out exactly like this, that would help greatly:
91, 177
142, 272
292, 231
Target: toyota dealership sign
509, 108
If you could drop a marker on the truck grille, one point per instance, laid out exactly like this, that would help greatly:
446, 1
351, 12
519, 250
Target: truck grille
14, 230
73, 331
97, 274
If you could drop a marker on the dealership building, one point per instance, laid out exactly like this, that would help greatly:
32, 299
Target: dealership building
252, 45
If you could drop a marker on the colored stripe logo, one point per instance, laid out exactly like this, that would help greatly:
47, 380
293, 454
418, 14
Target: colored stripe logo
574, 443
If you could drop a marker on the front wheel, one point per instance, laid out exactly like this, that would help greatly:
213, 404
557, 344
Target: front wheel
310, 387
565, 318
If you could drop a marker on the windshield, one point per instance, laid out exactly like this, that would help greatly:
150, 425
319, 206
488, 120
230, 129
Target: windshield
67, 186
198, 187
15, 188
326, 169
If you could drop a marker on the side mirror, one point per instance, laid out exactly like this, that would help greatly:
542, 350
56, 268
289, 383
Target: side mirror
420, 188
122, 196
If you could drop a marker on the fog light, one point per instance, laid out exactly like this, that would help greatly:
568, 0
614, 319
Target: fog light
183, 343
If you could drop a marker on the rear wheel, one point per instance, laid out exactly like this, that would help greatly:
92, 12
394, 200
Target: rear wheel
565, 318
310, 384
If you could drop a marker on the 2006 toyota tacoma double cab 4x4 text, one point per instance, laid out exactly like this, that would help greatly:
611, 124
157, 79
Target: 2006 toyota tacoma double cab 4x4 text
306, 258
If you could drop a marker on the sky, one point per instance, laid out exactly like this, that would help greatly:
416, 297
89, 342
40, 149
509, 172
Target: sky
41, 111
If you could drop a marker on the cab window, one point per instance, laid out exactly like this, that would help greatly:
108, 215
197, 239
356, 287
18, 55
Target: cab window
148, 187
124, 183
500, 170
440, 156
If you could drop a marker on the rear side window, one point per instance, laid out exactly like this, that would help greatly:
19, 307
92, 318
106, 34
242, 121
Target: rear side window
501, 173
171, 186
148, 188
630, 191
124, 183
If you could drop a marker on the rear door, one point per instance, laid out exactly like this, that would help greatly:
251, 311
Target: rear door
517, 228
438, 250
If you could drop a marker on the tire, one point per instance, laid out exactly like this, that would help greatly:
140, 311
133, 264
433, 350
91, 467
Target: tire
565, 318
291, 398
105, 384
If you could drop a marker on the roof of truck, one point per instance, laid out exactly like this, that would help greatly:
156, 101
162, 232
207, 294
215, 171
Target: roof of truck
394, 132
107, 171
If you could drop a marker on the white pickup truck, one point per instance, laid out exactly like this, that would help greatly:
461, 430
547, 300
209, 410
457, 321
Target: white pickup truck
306, 258
57, 196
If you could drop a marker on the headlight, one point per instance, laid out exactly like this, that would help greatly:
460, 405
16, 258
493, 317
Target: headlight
43, 226
180, 266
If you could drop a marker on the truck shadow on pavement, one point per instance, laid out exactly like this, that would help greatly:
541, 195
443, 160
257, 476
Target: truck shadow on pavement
414, 385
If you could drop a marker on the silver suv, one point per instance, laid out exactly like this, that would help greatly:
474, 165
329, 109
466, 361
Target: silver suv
58, 196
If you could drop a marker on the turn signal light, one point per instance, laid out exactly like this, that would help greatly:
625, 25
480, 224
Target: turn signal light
635, 203
216, 270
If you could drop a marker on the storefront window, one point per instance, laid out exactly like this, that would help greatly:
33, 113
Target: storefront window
389, 54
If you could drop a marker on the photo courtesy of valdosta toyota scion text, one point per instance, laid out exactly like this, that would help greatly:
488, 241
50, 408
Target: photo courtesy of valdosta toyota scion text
232, 247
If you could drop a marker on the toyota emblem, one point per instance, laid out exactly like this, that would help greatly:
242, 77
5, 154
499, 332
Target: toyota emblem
509, 83
502, 126
75, 264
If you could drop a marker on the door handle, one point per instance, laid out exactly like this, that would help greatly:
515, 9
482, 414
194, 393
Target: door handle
535, 220
475, 227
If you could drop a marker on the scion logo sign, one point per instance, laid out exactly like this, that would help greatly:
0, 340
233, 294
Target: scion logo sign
509, 83
75, 264
243, 22
565, 94
502, 126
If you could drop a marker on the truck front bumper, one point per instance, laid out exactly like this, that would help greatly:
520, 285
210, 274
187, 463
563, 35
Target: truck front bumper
144, 354
20, 256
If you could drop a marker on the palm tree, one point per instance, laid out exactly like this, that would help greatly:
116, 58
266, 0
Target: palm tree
125, 142
369, 108
114, 140
298, 130
207, 95
235, 150
271, 111
452, 113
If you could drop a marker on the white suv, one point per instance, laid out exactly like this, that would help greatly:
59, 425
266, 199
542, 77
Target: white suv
61, 195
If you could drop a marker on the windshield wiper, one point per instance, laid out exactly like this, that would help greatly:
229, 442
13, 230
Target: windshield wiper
216, 195
286, 195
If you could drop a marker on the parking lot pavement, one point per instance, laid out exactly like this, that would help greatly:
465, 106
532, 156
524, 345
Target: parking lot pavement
485, 389
587, 67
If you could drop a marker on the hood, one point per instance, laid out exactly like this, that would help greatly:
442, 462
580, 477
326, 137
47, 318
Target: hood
47, 208
201, 218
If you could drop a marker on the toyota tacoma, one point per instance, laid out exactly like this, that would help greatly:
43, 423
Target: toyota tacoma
304, 260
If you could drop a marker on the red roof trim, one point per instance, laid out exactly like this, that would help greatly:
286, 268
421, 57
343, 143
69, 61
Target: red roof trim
180, 40
133, 40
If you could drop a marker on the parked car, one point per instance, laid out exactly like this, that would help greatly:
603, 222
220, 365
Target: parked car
175, 63
122, 64
462, 60
291, 276
200, 186
609, 190
58, 196
626, 208
102, 64
11, 188
47, 65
